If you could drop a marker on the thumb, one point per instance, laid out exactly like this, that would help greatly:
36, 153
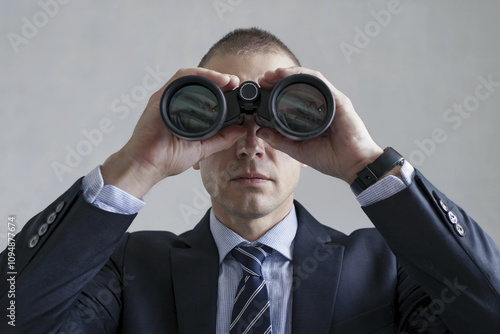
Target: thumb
222, 140
280, 142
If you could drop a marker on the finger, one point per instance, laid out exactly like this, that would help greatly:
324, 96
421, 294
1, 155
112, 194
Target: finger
279, 142
222, 140
222, 80
225, 82
270, 79
283, 72
232, 84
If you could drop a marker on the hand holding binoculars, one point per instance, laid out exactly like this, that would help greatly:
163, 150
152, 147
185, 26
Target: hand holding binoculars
300, 107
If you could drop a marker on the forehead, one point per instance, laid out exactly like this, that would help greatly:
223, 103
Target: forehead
249, 67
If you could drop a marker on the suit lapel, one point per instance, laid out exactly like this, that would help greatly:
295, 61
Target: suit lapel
317, 262
195, 271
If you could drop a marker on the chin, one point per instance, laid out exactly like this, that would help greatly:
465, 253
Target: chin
252, 208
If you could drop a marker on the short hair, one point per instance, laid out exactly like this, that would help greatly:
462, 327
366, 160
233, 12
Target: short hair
248, 41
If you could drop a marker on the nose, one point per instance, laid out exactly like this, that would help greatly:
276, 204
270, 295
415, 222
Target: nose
250, 146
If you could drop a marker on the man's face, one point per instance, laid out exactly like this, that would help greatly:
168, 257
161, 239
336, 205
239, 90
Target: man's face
251, 179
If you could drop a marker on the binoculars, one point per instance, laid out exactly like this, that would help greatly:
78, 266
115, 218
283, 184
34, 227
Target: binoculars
300, 107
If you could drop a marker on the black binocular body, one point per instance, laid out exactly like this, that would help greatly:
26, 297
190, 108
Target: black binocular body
300, 107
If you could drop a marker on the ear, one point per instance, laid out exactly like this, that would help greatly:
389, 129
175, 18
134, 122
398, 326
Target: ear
196, 166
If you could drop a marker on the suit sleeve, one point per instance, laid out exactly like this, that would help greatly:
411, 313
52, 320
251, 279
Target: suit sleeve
447, 253
57, 253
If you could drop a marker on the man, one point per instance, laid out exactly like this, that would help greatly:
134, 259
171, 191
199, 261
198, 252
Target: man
427, 268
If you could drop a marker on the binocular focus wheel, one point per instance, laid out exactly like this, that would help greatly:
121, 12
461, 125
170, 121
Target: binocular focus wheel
249, 91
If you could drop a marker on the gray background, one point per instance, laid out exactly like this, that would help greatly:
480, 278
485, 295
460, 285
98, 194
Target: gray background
70, 75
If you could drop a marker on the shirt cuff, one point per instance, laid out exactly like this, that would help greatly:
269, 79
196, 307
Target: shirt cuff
108, 197
387, 186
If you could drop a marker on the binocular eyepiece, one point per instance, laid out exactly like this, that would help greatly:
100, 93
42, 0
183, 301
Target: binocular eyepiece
300, 107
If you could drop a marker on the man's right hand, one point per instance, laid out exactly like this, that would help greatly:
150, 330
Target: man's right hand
154, 153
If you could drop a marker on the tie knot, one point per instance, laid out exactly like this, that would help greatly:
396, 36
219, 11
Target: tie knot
250, 259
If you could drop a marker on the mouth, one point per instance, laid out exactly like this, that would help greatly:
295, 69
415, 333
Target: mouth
251, 179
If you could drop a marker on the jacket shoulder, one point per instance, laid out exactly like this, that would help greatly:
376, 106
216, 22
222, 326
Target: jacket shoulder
152, 241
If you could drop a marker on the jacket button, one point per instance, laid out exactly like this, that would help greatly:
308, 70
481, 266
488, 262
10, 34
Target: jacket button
460, 230
452, 217
60, 206
443, 205
43, 229
51, 218
34, 241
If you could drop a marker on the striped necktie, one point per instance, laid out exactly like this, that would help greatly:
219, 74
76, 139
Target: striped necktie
251, 313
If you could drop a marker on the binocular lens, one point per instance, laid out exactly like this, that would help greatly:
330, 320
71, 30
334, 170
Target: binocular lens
193, 109
301, 108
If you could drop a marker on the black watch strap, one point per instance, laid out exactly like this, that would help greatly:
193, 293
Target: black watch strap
374, 171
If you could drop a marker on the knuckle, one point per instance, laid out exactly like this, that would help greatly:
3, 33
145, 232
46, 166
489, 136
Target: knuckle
317, 74
344, 100
182, 72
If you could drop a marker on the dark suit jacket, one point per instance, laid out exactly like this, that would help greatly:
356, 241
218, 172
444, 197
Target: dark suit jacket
416, 273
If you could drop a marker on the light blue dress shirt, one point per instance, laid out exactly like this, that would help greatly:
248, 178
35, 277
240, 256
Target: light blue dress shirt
277, 269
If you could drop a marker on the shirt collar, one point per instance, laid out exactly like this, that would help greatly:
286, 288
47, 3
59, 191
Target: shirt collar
279, 238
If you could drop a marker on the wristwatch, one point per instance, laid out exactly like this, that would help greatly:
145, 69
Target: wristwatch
374, 171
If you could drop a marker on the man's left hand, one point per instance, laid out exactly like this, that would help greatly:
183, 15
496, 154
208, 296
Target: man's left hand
342, 150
